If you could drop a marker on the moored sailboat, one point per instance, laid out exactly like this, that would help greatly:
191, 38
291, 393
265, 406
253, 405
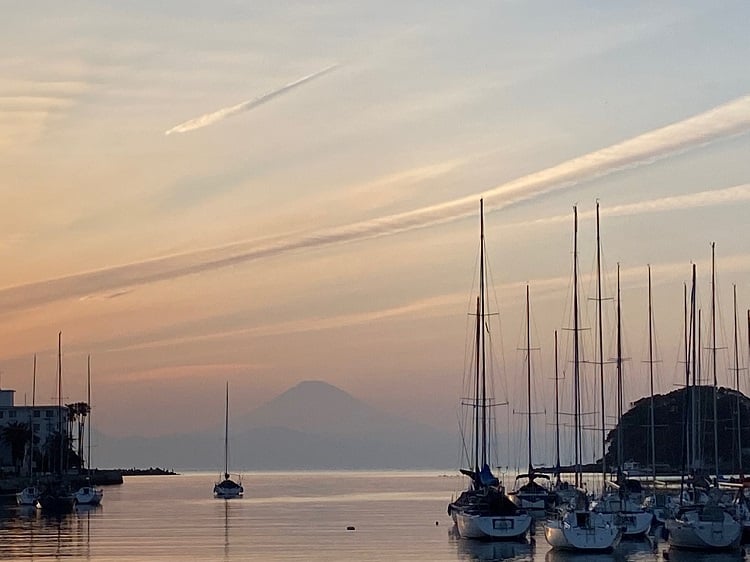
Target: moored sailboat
484, 511
708, 526
88, 494
574, 526
227, 488
531, 495
55, 495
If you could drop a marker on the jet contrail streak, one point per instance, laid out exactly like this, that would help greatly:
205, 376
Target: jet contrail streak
710, 198
720, 122
219, 115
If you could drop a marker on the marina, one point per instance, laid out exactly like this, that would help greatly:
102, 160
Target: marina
396, 515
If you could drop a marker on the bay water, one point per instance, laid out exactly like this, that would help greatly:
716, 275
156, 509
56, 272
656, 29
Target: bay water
399, 516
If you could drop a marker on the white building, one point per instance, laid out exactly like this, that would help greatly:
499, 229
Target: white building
44, 420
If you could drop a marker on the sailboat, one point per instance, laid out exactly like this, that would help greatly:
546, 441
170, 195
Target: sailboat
88, 494
227, 488
55, 495
574, 526
708, 526
484, 511
29, 495
622, 504
531, 495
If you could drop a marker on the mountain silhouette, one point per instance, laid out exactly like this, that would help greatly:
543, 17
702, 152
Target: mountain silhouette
313, 425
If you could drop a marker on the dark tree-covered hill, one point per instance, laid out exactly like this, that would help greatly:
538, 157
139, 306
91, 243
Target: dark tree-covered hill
670, 422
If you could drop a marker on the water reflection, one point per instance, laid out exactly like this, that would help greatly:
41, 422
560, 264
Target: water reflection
482, 551
676, 555
642, 549
567, 556
28, 532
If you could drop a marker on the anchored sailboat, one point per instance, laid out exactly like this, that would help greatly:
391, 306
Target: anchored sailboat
708, 526
574, 526
484, 511
88, 494
227, 488
531, 495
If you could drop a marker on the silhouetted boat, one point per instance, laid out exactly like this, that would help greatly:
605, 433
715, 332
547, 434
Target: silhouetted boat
484, 511
227, 488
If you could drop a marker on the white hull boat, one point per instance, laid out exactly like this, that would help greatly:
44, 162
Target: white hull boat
705, 528
28, 495
625, 513
88, 495
582, 531
228, 489
488, 527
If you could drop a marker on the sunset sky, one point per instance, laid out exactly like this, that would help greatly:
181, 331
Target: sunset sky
329, 230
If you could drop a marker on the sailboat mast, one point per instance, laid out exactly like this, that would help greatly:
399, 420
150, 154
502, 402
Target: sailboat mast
477, 368
576, 358
88, 404
687, 451
737, 381
619, 375
557, 418
528, 372
693, 351
713, 358
485, 447
652, 425
59, 397
226, 435
601, 340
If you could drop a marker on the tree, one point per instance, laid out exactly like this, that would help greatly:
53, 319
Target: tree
17, 435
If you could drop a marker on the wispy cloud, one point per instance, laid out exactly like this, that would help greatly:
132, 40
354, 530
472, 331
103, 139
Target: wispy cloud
710, 198
221, 114
726, 120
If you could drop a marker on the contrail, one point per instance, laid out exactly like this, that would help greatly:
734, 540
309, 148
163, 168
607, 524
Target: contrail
723, 121
214, 117
710, 198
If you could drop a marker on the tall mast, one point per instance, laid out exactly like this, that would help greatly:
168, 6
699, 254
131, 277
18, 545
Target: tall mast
226, 436
528, 373
59, 397
557, 418
737, 382
687, 443
694, 351
477, 394
482, 289
31, 425
88, 404
601, 340
576, 358
619, 375
713, 358
652, 425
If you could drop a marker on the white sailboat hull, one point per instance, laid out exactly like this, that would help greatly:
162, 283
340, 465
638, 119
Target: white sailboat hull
88, 495
472, 526
694, 534
563, 535
633, 523
28, 496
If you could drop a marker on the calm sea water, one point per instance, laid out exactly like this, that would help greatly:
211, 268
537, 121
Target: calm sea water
284, 516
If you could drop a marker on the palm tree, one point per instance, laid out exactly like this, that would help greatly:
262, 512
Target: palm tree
17, 435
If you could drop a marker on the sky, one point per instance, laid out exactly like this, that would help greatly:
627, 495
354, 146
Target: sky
312, 212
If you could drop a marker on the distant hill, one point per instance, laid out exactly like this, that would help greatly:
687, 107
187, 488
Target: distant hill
313, 425
669, 410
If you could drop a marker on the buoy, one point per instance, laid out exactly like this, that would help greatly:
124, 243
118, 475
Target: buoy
437, 523
350, 528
